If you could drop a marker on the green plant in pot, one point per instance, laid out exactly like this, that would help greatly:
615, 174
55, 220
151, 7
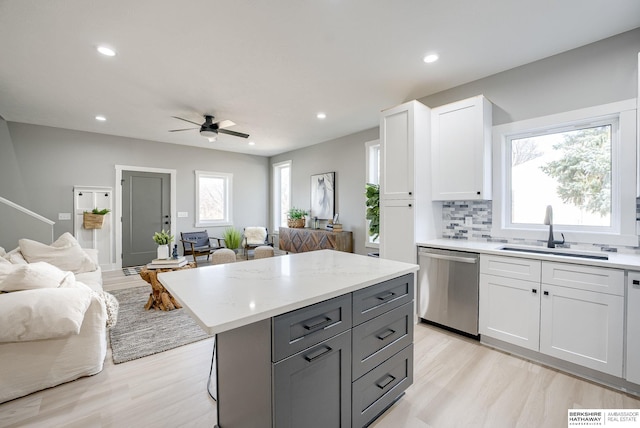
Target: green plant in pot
296, 217
373, 209
163, 239
232, 238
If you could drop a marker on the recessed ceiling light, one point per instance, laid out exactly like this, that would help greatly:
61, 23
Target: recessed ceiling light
106, 51
430, 58
100, 118
321, 115
252, 143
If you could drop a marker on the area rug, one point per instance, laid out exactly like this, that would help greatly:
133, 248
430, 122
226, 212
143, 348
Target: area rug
140, 333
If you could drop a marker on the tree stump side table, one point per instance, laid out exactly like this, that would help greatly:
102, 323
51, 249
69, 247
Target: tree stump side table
160, 298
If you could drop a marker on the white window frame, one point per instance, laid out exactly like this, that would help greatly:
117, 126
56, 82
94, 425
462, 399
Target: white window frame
276, 168
623, 180
228, 199
372, 176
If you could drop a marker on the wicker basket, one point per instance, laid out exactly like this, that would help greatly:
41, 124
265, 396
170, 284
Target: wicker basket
296, 222
92, 221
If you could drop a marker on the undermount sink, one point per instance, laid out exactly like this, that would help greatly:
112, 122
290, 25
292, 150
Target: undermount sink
556, 252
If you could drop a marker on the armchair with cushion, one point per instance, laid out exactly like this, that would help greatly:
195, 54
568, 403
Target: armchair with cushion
199, 244
255, 237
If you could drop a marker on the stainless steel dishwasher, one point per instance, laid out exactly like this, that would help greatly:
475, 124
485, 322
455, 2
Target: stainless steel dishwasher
448, 289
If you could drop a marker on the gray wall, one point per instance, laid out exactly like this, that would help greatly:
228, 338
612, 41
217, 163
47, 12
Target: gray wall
595, 74
345, 156
50, 161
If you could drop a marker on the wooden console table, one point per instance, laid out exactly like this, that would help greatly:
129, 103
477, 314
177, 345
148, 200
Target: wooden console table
293, 240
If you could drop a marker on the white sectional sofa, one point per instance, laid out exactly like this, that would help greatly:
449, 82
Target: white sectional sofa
53, 314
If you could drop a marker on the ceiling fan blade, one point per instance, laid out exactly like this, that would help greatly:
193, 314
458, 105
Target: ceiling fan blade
225, 123
185, 129
186, 120
234, 133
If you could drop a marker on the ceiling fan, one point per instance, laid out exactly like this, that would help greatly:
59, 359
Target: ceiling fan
210, 129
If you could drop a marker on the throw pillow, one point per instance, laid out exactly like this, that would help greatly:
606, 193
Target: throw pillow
32, 276
65, 253
15, 256
42, 314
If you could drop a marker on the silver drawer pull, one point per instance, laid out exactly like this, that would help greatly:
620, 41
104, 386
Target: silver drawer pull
382, 384
386, 334
315, 324
386, 296
317, 353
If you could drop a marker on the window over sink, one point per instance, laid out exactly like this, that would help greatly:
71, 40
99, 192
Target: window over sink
582, 163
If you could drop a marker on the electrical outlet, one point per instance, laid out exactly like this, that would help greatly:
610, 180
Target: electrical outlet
468, 221
64, 216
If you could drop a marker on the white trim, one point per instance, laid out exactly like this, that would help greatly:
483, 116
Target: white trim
118, 202
625, 162
228, 221
367, 147
275, 212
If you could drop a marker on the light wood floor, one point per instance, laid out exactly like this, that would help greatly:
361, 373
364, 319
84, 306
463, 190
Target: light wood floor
457, 383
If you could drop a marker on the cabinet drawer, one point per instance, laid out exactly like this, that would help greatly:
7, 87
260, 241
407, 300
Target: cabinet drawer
602, 280
312, 389
372, 301
378, 339
511, 267
379, 388
305, 327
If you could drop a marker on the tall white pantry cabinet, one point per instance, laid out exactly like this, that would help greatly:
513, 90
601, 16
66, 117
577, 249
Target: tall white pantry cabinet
407, 214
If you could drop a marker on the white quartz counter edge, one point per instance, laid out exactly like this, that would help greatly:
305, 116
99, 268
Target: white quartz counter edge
618, 261
224, 297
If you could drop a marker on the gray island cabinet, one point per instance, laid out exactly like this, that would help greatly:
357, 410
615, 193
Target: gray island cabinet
330, 345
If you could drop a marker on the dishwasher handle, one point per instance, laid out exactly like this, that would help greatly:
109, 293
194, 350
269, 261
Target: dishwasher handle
471, 260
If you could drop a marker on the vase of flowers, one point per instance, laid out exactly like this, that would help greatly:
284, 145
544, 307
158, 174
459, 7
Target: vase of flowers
163, 239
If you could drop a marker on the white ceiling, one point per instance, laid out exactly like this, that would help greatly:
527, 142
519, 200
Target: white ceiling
269, 66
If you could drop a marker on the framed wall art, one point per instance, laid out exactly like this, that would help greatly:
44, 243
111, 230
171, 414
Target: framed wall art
323, 195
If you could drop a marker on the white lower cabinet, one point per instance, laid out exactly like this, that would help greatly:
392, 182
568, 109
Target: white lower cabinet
555, 309
583, 327
510, 310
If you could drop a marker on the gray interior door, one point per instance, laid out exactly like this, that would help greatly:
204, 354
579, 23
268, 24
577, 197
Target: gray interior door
145, 210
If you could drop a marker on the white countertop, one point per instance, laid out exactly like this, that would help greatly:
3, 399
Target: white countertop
227, 296
616, 260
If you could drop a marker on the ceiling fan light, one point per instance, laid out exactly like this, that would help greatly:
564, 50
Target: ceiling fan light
210, 135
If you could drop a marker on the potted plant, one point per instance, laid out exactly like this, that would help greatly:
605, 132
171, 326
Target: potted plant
296, 217
232, 238
373, 209
94, 219
163, 239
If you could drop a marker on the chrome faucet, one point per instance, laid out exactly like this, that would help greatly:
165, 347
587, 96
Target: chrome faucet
548, 219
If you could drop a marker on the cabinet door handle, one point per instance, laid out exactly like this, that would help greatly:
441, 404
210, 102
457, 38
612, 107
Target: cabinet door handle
316, 323
386, 296
546, 293
410, 193
385, 381
386, 334
534, 291
317, 353
409, 205
636, 282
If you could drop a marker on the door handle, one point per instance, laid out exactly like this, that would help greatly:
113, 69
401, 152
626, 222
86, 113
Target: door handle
534, 291
317, 323
382, 384
546, 293
317, 353
386, 334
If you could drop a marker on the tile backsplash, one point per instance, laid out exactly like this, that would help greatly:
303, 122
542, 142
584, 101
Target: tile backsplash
454, 214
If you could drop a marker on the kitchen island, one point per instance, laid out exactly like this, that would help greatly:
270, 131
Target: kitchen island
322, 338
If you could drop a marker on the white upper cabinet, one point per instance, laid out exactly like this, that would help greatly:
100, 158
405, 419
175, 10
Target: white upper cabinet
404, 136
461, 150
